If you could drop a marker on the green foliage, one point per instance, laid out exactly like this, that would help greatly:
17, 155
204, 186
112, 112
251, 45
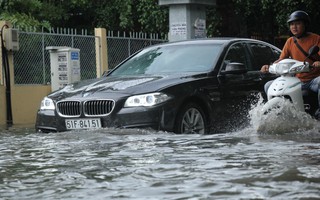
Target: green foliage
228, 18
24, 14
131, 15
153, 18
115, 15
214, 20
275, 13
24, 21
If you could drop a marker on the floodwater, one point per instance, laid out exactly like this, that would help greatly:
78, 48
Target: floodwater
145, 164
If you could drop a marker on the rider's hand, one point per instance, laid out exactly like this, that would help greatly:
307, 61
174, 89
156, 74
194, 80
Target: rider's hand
316, 64
265, 68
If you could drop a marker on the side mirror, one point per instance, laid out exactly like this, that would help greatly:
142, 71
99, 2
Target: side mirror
235, 68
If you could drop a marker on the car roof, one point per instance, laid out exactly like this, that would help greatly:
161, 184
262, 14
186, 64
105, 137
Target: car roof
218, 40
209, 40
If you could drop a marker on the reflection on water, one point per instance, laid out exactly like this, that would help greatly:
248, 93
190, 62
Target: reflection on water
143, 164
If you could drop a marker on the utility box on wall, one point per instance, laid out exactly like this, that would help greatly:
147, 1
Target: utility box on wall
65, 66
11, 38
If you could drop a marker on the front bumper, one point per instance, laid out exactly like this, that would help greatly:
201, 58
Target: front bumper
158, 118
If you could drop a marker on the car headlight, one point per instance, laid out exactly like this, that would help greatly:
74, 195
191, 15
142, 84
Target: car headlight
146, 99
47, 104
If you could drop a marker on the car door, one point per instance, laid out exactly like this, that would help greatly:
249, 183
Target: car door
262, 54
242, 84
239, 89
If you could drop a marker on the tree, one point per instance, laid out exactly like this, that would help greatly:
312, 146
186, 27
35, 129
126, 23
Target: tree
265, 19
271, 15
23, 13
119, 15
131, 15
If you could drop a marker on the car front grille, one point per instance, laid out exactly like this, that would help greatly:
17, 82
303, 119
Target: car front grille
98, 107
88, 108
69, 108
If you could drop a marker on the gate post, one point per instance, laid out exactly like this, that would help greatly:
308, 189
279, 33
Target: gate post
6, 66
101, 51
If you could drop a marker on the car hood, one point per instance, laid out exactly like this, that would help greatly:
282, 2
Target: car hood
122, 85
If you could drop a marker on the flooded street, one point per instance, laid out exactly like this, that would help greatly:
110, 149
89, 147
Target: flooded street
143, 164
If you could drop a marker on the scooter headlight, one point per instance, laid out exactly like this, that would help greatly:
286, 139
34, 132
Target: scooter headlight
296, 69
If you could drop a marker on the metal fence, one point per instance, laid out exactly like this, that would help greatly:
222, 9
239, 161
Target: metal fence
121, 45
32, 61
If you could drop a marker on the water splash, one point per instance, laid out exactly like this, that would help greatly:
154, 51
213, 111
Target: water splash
285, 119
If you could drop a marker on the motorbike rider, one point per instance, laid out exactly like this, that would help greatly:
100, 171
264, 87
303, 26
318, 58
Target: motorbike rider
301, 40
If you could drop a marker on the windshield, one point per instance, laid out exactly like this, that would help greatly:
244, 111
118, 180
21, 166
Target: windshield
171, 59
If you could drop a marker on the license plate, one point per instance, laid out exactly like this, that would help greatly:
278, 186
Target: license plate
83, 123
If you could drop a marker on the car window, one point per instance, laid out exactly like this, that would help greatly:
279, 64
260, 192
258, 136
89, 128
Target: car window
276, 53
236, 54
262, 55
171, 59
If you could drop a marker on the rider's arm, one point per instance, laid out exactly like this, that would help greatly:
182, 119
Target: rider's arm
265, 68
317, 63
285, 53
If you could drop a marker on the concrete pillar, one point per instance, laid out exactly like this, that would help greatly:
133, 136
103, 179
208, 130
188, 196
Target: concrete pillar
8, 86
187, 18
4, 25
101, 51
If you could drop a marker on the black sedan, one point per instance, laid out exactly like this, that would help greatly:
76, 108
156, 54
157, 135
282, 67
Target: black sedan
197, 86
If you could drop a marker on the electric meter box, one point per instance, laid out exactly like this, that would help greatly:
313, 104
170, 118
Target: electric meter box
11, 39
65, 66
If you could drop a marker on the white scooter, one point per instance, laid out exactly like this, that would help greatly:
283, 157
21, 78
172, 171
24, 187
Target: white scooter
287, 87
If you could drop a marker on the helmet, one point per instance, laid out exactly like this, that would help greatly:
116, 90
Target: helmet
299, 15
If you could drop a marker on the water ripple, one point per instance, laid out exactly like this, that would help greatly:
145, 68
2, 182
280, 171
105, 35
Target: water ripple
141, 164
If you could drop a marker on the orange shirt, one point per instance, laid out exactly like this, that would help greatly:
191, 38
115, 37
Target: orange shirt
290, 50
